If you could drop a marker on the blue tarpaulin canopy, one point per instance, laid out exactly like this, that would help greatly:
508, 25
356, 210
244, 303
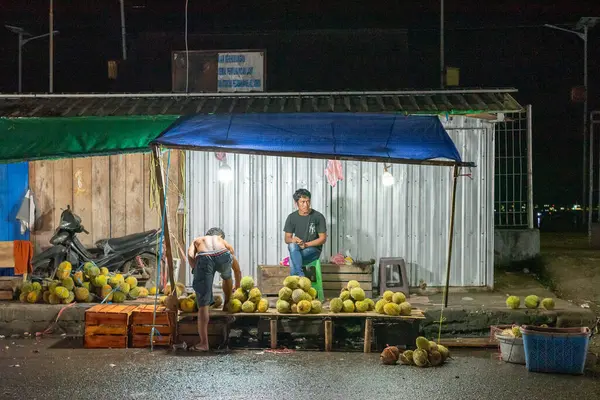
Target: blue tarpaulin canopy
364, 136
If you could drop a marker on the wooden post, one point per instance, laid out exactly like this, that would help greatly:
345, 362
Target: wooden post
328, 334
368, 334
160, 180
274, 334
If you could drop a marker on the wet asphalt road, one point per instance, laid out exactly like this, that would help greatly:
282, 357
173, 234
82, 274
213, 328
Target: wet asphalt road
51, 369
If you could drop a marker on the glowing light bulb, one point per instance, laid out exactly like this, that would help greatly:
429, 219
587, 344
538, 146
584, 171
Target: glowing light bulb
387, 178
225, 173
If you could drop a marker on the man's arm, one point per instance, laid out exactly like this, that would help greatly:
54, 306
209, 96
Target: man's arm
192, 255
237, 273
288, 228
228, 247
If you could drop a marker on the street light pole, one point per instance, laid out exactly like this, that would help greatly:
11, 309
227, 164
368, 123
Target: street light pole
22, 42
51, 48
442, 50
583, 25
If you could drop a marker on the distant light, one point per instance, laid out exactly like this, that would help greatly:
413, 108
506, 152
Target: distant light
225, 173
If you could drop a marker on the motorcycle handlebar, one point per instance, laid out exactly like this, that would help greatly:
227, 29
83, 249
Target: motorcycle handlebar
84, 231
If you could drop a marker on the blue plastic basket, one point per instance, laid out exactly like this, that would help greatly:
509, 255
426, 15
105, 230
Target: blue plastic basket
555, 350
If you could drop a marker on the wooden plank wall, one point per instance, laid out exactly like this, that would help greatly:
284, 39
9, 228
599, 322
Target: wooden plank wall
111, 194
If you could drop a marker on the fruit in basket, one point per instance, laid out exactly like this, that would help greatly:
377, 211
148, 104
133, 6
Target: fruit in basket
398, 298
352, 284
52, 286
93, 272
124, 287
304, 306
294, 309
248, 307
218, 301
64, 270
422, 343
78, 278
282, 306
53, 299
298, 295
391, 309
99, 281
389, 355
516, 331
69, 299
235, 306
435, 358
152, 291
405, 309
285, 293
513, 302
406, 358
134, 293
262, 306
444, 352
312, 292
336, 305
132, 280
379, 306
143, 292
357, 294
291, 282
34, 296
361, 306
254, 295
304, 283
240, 295
548, 303
81, 294
116, 280
348, 306
104, 271
316, 307
119, 297
247, 283
107, 291
532, 301
388, 295
370, 303
344, 294
187, 305
61, 292
420, 358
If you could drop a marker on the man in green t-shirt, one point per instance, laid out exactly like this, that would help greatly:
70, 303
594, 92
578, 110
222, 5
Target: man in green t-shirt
305, 233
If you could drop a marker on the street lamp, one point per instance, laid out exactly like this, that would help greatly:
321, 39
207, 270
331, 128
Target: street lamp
24, 37
582, 27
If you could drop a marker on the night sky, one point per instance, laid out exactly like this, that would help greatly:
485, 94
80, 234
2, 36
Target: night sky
495, 44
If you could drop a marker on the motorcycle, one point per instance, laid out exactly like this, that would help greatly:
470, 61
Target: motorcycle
133, 255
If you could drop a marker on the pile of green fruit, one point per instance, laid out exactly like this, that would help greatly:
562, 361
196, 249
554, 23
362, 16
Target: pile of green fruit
393, 303
247, 298
83, 286
352, 299
427, 354
531, 302
297, 296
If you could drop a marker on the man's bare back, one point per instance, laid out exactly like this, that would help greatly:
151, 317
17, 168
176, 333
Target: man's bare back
207, 245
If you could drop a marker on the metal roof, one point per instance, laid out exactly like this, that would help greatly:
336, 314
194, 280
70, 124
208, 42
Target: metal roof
409, 102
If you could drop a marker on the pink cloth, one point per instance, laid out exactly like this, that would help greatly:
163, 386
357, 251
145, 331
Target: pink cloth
333, 172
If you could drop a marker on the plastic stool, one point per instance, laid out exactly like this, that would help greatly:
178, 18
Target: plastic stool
392, 275
316, 278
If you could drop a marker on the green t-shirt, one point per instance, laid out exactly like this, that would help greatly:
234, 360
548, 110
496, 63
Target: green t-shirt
306, 227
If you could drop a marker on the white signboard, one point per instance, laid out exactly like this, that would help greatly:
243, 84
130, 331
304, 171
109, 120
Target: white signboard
240, 72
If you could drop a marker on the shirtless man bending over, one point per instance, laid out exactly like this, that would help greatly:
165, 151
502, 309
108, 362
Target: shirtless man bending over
209, 254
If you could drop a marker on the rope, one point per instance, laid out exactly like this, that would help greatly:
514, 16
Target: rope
160, 250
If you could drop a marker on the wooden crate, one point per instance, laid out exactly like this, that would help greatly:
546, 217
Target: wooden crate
335, 277
107, 326
187, 330
8, 284
142, 319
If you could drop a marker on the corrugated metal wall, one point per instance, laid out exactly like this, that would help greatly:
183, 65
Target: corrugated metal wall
409, 219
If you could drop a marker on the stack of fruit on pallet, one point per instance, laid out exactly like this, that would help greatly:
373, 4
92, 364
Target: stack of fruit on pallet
352, 299
89, 284
393, 303
297, 296
427, 354
247, 298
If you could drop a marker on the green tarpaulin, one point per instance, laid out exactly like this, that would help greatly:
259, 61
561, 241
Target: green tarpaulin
26, 139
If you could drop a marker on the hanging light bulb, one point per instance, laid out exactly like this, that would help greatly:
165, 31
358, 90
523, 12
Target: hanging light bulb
387, 179
225, 173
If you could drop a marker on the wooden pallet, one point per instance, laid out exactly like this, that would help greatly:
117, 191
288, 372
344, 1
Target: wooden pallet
187, 329
107, 326
8, 284
142, 320
335, 277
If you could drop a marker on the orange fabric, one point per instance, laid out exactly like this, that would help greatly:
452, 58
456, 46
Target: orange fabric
23, 253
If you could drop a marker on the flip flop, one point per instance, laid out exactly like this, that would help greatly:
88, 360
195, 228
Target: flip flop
198, 350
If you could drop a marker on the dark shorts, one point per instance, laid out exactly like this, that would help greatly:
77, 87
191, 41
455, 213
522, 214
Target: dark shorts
204, 274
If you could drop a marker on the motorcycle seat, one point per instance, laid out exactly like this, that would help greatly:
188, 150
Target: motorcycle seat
129, 240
